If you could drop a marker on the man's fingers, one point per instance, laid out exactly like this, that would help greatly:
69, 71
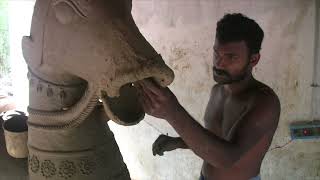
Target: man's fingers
156, 144
152, 86
146, 102
157, 147
143, 100
152, 96
145, 97
157, 150
154, 150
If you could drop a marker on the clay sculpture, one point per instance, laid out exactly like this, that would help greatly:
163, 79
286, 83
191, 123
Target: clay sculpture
83, 57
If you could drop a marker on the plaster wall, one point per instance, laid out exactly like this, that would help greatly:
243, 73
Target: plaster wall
183, 31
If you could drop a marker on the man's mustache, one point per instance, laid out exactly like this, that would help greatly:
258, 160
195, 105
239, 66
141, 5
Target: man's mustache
221, 72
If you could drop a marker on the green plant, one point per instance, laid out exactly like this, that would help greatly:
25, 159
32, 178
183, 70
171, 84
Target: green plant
4, 38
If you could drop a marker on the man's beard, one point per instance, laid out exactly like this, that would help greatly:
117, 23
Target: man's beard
223, 77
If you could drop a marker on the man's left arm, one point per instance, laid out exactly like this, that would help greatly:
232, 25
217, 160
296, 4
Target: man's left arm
261, 122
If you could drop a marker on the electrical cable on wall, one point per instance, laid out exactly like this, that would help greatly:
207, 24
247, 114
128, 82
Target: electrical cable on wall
280, 147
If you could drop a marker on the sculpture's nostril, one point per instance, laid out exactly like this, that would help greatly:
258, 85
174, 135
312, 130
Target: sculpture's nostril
125, 109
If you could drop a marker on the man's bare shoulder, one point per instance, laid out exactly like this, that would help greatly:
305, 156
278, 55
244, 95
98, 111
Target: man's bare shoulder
262, 118
266, 103
265, 95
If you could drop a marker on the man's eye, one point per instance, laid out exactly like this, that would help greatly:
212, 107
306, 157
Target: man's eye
229, 56
232, 57
235, 57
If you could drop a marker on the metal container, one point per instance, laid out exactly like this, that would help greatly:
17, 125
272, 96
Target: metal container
16, 136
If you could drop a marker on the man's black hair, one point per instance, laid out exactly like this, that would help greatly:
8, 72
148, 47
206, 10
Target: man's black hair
237, 27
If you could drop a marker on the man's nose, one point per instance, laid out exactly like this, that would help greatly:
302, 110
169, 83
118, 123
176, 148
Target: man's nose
219, 62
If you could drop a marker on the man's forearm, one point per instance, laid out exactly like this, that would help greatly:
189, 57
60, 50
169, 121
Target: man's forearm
205, 144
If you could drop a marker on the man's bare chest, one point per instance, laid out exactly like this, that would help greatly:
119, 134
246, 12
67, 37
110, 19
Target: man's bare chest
224, 116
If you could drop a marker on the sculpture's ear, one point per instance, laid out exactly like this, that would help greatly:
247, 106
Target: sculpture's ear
67, 11
31, 53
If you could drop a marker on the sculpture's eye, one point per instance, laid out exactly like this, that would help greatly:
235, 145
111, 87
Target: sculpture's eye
66, 11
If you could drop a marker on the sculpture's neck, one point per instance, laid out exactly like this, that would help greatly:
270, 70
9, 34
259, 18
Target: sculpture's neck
53, 91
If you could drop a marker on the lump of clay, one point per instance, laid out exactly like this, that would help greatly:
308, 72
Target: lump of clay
93, 42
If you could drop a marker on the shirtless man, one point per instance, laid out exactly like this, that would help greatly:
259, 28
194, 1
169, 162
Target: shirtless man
241, 116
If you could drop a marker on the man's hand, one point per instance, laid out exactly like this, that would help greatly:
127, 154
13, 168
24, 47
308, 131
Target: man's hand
166, 143
157, 101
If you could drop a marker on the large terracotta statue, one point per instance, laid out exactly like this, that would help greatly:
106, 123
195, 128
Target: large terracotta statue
81, 53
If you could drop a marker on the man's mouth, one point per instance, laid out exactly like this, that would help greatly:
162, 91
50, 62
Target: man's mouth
218, 72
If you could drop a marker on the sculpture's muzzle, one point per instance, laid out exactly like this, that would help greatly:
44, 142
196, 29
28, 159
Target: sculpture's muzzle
97, 41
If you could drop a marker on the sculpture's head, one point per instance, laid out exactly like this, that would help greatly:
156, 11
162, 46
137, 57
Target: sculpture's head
97, 41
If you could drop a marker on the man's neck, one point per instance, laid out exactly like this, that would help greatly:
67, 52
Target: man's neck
240, 86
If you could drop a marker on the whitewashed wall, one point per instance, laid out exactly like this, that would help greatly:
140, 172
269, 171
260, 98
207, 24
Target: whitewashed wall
183, 32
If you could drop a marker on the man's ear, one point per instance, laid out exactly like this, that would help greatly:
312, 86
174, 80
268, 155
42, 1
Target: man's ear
254, 59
